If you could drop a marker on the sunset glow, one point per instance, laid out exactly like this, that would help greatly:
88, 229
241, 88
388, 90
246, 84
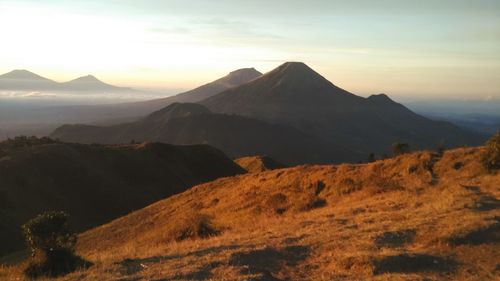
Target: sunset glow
422, 49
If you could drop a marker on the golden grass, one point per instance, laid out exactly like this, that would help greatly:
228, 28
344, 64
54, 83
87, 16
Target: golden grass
440, 208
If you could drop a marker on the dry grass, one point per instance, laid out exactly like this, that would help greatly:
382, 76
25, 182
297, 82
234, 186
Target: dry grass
413, 217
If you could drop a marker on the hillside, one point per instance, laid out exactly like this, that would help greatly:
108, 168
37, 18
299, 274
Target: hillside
236, 136
95, 183
257, 164
294, 94
415, 217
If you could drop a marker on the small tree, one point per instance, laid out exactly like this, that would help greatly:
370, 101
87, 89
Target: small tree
49, 232
52, 245
491, 155
399, 148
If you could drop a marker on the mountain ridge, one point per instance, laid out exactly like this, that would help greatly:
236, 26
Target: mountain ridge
296, 95
22, 79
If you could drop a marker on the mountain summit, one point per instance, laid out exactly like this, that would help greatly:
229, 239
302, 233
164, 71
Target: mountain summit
25, 80
21, 79
89, 83
294, 94
23, 74
233, 79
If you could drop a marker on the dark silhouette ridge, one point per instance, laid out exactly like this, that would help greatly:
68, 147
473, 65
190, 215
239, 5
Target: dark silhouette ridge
294, 94
237, 136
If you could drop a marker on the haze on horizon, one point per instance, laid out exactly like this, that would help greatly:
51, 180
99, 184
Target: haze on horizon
430, 49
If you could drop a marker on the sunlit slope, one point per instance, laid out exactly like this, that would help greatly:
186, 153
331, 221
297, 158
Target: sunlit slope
420, 216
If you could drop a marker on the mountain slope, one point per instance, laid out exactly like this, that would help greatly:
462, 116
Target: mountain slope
90, 83
296, 95
28, 81
25, 80
235, 135
233, 79
95, 183
415, 217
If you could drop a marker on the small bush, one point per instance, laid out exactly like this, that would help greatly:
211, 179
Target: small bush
309, 201
52, 245
193, 225
277, 203
399, 148
491, 155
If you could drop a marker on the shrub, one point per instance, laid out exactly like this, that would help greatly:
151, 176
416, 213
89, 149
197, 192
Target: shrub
491, 155
192, 225
52, 245
399, 148
49, 232
277, 203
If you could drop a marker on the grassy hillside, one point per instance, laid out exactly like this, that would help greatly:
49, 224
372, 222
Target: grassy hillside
419, 216
95, 183
257, 164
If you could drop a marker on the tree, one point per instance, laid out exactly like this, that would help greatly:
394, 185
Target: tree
399, 148
491, 154
49, 232
52, 245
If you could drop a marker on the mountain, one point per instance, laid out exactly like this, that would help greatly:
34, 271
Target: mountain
25, 80
236, 136
376, 221
95, 183
294, 94
90, 83
233, 79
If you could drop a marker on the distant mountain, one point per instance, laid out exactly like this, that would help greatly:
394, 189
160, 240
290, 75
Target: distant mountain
295, 95
95, 183
90, 83
237, 136
233, 79
25, 80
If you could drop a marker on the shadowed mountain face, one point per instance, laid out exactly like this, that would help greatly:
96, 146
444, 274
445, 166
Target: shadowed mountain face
95, 183
294, 94
237, 136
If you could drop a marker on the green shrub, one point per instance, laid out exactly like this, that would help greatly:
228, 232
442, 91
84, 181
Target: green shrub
52, 245
49, 232
491, 155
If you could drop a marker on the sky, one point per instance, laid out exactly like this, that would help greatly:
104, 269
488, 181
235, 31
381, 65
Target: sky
412, 49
